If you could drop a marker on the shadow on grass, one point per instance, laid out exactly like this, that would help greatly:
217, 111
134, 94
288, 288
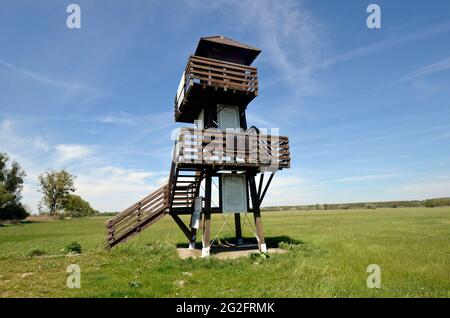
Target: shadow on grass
271, 242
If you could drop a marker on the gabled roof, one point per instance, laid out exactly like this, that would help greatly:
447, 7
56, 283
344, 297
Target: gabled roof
209, 42
227, 41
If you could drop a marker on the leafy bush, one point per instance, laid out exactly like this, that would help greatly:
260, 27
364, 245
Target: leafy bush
134, 284
13, 211
258, 255
35, 252
73, 247
75, 206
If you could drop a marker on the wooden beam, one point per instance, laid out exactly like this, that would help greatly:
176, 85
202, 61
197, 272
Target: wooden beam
257, 215
206, 237
182, 226
261, 198
238, 227
261, 180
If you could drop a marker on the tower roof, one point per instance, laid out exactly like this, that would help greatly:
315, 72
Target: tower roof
221, 47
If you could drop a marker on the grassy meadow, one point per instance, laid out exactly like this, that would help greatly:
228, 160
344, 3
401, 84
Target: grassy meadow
328, 257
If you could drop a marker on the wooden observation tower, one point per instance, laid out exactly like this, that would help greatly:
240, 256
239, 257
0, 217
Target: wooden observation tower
215, 89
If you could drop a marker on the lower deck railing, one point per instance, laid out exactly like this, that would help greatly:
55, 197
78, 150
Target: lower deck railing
231, 148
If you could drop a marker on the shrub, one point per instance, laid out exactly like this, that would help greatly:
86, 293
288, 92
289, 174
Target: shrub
13, 211
75, 206
134, 284
73, 247
35, 252
258, 255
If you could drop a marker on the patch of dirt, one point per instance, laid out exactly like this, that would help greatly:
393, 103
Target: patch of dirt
227, 252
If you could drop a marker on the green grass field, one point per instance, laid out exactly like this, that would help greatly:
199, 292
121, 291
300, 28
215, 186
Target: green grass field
333, 250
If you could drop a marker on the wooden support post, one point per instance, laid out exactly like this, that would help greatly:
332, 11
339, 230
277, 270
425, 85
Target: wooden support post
257, 215
237, 223
206, 237
193, 235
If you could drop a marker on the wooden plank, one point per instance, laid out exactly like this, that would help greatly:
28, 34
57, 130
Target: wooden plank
223, 73
210, 67
195, 58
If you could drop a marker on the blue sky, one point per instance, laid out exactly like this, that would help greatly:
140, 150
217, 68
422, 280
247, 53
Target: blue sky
367, 110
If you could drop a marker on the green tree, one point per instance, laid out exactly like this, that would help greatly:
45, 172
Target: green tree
56, 187
75, 206
11, 185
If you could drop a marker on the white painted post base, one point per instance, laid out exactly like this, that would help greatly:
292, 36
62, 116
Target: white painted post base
205, 252
192, 246
263, 248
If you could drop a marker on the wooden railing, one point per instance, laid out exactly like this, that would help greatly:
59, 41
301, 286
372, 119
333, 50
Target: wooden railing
210, 72
231, 148
138, 216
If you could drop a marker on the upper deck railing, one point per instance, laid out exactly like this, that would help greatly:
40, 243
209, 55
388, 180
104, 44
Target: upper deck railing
231, 149
208, 72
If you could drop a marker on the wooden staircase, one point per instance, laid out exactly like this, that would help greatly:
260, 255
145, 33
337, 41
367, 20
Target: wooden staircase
177, 195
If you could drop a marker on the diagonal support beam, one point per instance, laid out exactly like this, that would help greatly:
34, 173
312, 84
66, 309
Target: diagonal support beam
261, 197
182, 226
261, 180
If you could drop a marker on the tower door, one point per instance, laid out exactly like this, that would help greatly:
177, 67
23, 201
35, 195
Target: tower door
228, 117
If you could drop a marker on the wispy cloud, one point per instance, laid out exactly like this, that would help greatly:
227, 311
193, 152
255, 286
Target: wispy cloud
148, 121
292, 38
394, 41
361, 178
72, 86
440, 66
67, 152
121, 119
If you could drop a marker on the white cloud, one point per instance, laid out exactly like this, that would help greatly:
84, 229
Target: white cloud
106, 187
114, 189
362, 178
66, 152
41, 144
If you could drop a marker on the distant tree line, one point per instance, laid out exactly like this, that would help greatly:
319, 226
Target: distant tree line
429, 203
